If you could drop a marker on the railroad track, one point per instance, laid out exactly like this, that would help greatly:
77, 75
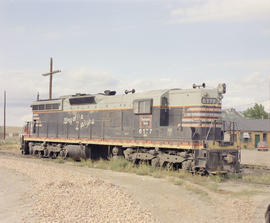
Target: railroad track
255, 167
14, 154
256, 170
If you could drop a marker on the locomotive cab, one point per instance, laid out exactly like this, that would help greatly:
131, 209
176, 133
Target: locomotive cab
193, 114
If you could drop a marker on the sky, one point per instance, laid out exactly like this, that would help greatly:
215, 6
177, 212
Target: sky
140, 44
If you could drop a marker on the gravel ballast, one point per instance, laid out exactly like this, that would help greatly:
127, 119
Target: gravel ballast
42, 190
67, 196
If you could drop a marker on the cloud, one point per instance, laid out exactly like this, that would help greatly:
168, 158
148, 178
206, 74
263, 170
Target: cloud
18, 29
84, 80
22, 87
53, 35
245, 92
221, 10
252, 64
266, 32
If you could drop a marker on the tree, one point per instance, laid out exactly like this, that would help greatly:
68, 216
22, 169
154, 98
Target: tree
256, 112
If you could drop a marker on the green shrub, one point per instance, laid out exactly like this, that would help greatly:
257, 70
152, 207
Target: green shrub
119, 164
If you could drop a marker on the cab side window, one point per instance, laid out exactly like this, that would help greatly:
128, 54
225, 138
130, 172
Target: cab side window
143, 106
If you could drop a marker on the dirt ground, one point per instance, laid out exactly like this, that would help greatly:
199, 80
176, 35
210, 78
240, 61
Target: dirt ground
254, 157
15, 190
40, 190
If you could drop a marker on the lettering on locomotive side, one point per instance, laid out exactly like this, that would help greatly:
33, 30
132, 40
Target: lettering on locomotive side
145, 132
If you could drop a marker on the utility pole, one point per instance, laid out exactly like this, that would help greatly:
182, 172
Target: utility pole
5, 114
51, 74
268, 113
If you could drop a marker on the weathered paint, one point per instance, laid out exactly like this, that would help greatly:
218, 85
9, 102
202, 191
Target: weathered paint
181, 123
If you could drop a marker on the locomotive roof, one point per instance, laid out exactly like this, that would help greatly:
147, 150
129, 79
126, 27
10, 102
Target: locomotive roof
125, 99
142, 94
102, 100
150, 93
100, 96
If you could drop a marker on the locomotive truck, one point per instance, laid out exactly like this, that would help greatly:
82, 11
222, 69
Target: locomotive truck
181, 128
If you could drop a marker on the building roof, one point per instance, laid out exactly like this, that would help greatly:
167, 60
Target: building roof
244, 124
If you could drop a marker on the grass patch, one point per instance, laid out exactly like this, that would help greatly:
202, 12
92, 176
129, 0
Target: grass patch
101, 164
233, 176
123, 165
82, 163
245, 193
59, 160
120, 164
177, 177
196, 190
178, 182
219, 178
144, 169
264, 178
157, 174
10, 141
195, 183
203, 195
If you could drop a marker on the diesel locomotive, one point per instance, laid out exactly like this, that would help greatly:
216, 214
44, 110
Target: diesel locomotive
181, 128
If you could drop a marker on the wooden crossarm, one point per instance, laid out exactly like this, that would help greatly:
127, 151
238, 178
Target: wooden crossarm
47, 74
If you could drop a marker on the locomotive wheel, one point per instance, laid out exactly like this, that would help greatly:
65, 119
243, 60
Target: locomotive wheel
54, 155
61, 154
155, 162
40, 154
169, 166
115, 151
30, 146
201, 171
187, 165
45, 153
136, 161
